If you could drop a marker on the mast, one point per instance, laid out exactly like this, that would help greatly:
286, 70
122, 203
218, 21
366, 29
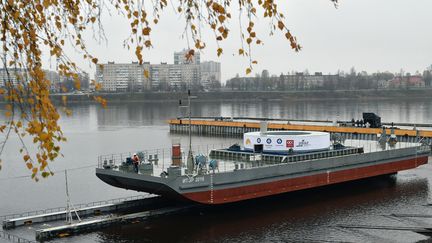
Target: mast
69, 206
190, 126
190, 160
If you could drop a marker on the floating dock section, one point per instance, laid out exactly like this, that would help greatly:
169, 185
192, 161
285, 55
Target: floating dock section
92, 225
232, 127
82, 212
93, 216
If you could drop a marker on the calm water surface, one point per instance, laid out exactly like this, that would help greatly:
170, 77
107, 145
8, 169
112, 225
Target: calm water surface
302, 216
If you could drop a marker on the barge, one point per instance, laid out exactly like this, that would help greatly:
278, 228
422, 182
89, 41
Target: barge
268, 163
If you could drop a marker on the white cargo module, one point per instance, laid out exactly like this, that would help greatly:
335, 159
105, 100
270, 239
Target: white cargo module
283, 141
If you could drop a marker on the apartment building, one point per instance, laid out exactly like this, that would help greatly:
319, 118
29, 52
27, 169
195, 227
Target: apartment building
184, 73
123, 77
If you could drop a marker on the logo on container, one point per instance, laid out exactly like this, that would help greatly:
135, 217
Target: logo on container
258, 140
248, 141
268, 141
279, 141
303, 143
289, 143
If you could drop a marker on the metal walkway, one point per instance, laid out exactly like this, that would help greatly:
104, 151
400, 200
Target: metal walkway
95, 215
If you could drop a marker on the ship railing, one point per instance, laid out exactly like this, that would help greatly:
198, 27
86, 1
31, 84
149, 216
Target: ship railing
423, 148
160, 159
232, 161
324, 154
280, 158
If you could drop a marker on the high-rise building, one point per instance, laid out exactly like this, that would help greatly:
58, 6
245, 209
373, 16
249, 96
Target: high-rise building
124, 76
171, 76
210, 74
12, 75
15, 76
159, 74
182, 57
54, 79
181, 75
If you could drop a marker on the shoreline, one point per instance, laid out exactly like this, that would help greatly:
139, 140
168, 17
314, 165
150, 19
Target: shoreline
417, 94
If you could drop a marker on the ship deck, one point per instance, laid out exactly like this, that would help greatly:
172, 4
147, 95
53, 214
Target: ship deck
156, 162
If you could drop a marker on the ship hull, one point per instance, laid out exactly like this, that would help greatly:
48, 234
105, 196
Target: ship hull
244, 184
303, 182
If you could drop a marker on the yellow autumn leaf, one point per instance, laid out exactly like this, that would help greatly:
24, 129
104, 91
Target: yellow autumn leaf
219, 51
98, 86
146, 31
77, 84
281, 25
39, 8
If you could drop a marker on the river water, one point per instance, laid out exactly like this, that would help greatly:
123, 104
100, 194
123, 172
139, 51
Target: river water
310, 215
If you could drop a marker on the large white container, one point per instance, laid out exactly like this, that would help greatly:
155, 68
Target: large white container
282, 141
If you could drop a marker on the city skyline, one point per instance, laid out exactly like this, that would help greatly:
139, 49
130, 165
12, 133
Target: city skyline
184, 72
373, 36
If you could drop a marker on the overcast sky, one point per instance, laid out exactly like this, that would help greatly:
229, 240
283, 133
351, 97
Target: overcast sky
371, 35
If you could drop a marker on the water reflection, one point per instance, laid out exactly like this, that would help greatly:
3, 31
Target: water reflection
92, 131
299, 216
156, 113
139, 114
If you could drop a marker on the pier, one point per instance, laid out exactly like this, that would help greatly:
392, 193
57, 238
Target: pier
92, 225
94, 216
87, 211
236, 127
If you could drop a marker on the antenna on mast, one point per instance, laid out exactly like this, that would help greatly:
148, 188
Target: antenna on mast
190, 161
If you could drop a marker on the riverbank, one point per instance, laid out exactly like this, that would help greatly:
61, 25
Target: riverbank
255, 95
424, 93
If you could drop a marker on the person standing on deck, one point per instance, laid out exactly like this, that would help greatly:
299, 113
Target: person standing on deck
135, 160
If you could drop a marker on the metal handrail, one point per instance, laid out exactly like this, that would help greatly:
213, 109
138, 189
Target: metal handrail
77, 206
266, 164
14, 238
226, 167
163, 153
